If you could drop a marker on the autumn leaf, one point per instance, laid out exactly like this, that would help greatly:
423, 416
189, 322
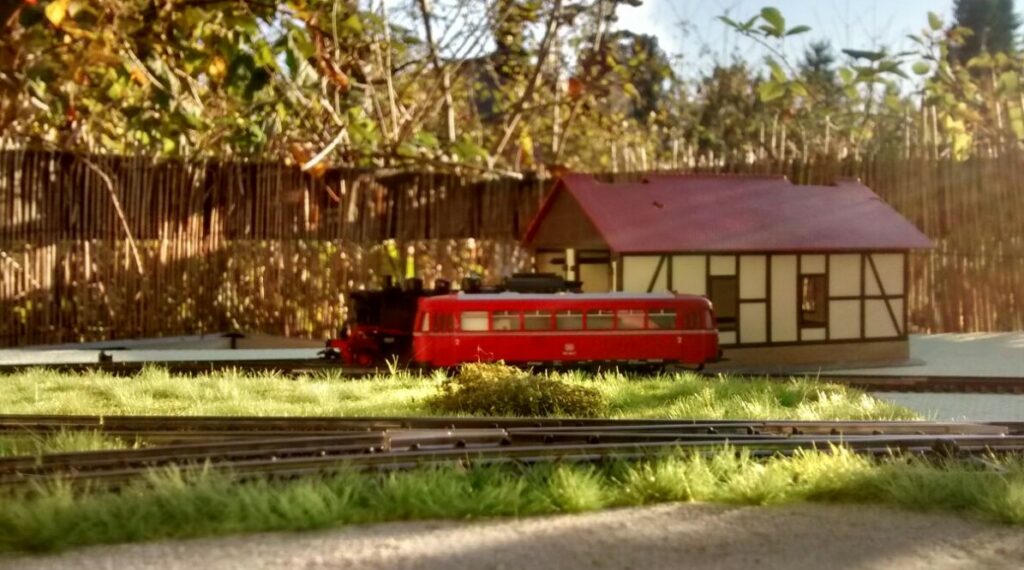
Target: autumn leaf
56, 10
217, 68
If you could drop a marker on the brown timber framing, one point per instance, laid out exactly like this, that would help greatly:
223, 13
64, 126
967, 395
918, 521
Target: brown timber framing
885, 298
666, 260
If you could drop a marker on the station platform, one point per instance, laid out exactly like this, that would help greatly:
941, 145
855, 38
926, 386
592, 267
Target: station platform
962, 354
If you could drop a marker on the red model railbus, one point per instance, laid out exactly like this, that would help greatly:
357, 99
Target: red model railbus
565, 328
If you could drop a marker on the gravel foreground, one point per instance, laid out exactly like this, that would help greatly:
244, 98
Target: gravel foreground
665, 536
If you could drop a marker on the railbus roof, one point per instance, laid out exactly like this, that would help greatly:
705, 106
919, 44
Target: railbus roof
511, 296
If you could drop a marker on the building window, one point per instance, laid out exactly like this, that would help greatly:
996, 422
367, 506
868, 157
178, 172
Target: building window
813, 301
724, 295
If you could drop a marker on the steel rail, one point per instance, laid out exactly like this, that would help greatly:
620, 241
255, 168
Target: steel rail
399, 439
943, 445
256, 425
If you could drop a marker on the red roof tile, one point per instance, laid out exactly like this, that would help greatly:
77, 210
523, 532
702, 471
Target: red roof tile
735, 213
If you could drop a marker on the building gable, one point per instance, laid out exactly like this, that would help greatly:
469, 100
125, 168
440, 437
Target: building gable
565, 225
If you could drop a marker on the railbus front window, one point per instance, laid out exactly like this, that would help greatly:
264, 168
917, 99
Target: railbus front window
473, 321
630, 319
537, 320
569, 320
425, 324
662, 318
600, 320
505, 321
444, 322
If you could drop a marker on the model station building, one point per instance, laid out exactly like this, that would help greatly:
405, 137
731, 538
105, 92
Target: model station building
797, 273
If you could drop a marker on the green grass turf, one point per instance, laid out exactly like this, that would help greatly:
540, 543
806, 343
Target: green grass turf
168, 507
155, 392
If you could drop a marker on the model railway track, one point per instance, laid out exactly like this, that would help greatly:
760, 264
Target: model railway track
254, 447
875, 383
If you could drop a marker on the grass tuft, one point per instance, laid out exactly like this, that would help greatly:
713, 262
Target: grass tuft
500, 390
169, 506
403, 393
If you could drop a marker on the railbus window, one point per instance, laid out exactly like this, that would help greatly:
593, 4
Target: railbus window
662, 318
505, 321
569, 320
600, 319
473, 321
444, 322
630, 319
537, 320
425, 323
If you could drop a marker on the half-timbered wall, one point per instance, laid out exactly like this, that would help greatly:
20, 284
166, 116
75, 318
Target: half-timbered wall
864, 296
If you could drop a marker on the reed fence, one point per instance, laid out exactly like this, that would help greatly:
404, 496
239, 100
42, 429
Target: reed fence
97, 247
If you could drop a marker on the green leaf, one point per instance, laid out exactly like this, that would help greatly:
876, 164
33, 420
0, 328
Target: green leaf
729, 22
353, 24
770, 91
921, 68
468, 150
862, 54
798, 89
778, 74
116, 90
798, 30
1009, 81
934, 21
847, 75
774, 17
426, 139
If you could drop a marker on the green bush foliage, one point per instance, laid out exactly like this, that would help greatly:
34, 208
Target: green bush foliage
501, 390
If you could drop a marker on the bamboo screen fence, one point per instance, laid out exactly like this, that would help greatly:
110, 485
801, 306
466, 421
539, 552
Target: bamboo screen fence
95, 247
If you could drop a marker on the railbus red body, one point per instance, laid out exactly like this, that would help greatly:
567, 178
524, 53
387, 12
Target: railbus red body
565, 328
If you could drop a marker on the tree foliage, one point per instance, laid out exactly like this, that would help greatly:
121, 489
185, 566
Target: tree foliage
994, 23
501, 84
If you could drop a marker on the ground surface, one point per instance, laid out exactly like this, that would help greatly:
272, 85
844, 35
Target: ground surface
962, 354
665, 536
960, 407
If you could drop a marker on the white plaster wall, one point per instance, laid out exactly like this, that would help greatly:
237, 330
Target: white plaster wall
812, 264
723, 265
877, 322
844, 319
813, 334
783, 299
689, 274
752, 277
596, 277
844, 276
726, 337
544, 264
890, 269
753, 322
637, 271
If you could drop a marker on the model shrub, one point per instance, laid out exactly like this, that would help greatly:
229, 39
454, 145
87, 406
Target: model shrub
500, 390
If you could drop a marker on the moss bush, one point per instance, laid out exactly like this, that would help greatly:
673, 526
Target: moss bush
501, 390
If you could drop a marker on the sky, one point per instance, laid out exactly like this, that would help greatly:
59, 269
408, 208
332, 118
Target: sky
689, 28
